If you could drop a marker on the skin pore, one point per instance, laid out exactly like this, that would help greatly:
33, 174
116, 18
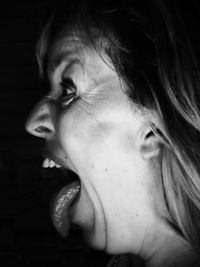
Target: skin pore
104, 138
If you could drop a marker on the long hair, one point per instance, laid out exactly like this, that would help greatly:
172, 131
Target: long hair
151, 46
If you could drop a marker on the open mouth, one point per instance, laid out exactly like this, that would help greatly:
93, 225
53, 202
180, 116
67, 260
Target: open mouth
65, 200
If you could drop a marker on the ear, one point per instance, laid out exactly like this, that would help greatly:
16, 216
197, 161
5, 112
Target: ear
150, 145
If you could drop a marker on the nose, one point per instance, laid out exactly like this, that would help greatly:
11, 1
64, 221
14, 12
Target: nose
40, 121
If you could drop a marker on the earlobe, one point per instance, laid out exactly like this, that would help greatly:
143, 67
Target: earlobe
150, 146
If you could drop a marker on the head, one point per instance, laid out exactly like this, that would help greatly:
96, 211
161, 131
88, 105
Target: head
121, 112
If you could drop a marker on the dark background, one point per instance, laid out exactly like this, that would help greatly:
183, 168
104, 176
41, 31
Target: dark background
27, 237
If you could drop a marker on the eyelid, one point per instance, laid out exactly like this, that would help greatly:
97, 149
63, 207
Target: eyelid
69, 66
63, 69
68, 80
64, 57
72, 99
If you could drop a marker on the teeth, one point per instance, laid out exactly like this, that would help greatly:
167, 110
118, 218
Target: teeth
45, 163
57, 165
48, 163
51, 163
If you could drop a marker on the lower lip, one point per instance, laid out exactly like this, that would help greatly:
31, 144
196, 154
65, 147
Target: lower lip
62, 206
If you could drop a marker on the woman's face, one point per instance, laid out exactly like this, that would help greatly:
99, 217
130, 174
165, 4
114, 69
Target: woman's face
90, 127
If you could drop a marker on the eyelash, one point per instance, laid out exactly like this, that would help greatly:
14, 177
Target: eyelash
68, 91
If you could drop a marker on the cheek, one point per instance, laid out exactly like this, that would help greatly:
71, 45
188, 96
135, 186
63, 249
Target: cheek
81, 133
87, 139
101, 147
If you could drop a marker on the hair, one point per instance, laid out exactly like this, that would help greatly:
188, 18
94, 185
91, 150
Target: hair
151, 46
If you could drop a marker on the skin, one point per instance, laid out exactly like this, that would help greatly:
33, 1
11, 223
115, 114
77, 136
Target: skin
104, 138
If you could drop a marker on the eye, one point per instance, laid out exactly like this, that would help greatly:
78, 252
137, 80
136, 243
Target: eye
68, 91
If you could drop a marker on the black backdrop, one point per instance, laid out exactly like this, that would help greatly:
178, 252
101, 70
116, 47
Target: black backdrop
27, 237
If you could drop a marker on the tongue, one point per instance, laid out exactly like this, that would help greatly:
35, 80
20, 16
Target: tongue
61, 207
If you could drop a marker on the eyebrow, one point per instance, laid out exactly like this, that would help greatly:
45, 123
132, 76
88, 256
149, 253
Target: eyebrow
68, 56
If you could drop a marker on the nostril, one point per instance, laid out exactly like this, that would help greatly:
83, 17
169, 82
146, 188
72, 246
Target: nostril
42, 129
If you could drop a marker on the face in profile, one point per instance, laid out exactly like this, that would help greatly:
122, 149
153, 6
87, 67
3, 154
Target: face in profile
90, 126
